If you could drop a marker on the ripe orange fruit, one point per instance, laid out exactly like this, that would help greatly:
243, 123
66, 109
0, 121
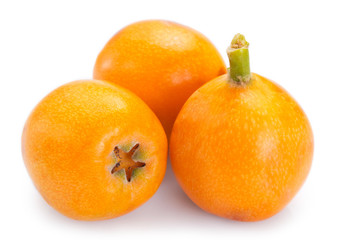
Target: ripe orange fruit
241, 146
162, 62
94, 150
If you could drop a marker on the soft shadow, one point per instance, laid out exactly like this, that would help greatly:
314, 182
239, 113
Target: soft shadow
168, 208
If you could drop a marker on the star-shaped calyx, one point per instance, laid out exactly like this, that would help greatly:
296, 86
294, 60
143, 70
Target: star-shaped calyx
125, 161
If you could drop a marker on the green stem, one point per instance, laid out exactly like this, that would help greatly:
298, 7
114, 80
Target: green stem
238, 55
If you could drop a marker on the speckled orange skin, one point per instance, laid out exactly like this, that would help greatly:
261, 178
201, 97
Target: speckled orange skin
68, 144
162, 62
241, 152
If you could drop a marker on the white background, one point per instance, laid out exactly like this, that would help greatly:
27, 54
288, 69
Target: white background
44, 44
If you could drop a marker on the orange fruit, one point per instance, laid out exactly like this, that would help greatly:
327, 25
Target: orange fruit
94, 150
162, 62
241, 147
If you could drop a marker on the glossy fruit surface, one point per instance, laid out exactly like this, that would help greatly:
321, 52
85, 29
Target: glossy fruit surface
94, 150
241, 151
162, 62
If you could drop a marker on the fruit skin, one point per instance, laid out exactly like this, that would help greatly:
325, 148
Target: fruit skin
68, 143
162, 62
241, 152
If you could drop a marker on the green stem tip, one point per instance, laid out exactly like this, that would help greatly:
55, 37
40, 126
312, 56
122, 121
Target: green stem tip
238, 55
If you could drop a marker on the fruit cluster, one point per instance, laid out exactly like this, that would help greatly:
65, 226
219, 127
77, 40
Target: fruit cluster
240, 145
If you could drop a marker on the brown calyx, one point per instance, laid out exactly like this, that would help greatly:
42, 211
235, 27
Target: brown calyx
125, 161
